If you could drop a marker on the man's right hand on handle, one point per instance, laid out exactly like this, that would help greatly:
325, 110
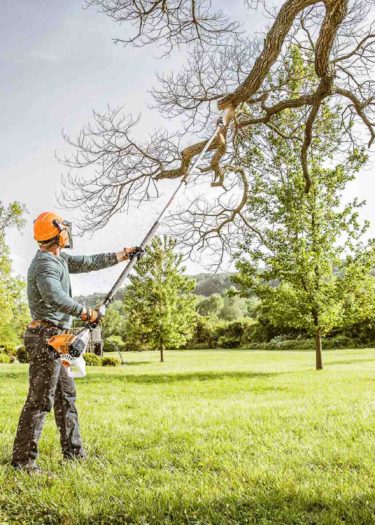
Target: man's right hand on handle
129, 253
91, 316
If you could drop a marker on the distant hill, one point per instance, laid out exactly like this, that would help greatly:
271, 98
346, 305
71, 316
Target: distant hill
207, 284
95, 299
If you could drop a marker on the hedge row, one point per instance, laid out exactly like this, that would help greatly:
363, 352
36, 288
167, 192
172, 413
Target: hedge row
210, 333
9, 355
244, 333
340, 341
95, 360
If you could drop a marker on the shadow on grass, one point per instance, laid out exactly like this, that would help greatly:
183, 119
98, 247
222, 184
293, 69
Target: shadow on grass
182, 377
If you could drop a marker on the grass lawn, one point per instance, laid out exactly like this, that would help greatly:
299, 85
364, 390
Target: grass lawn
209, 437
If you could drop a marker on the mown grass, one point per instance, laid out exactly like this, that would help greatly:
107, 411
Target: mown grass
216, 437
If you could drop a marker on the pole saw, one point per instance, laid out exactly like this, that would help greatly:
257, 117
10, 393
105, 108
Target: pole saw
71, 347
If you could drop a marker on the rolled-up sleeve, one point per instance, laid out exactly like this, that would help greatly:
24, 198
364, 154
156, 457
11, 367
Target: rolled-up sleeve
49, 286
90, 263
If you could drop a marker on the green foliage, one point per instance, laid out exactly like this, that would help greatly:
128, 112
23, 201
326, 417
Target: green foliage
13, 308
227, 341
342, 341
22, 355
234, 306
159, 303
208, 284
114, 323
210, 306
92, 359
5, 358
228, 306
113, 343
205, 334
110, 361
281, 343
10, 350
92, 300
12, 216
214, 333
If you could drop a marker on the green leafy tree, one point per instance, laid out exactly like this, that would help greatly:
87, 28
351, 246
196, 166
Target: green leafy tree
209, 284
309, 244
14, 312
211, 306
159, 303
234, 306
114, 320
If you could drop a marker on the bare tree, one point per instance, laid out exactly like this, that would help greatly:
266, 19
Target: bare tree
246, 78
168, 23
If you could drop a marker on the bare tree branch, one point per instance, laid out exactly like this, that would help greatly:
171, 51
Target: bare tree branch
168, 23
251, 79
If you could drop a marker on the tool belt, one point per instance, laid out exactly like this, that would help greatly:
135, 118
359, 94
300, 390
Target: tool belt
41, 324
58, 339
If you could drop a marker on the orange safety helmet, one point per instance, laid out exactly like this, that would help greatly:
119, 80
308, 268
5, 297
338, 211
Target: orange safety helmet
49, 226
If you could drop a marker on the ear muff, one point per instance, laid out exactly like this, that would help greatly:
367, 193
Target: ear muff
65, 238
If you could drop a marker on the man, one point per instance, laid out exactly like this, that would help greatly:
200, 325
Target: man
52, 307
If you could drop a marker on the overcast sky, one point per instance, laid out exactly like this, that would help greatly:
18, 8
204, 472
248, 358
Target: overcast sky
57, 63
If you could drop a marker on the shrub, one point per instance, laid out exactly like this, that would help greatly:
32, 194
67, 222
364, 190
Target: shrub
211, 333
22, 355
110, 361
227, 341
238, 332
5, 358
207, 332
10, 350
341, 341
113, 343
92, 359
280, 343
249, 331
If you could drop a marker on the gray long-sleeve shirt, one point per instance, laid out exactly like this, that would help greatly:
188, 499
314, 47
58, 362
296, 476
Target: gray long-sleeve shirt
48, 284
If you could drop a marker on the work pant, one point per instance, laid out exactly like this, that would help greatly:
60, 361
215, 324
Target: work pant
49, 386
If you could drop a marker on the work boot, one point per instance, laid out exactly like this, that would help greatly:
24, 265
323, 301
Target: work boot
28, 468
78, 456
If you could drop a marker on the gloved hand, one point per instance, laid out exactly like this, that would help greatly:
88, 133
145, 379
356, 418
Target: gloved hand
91, 316
135, 251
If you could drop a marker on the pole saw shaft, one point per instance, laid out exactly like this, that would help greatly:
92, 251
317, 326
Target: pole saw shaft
151, 233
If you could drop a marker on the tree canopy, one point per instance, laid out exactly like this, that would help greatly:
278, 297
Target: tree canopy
230, 70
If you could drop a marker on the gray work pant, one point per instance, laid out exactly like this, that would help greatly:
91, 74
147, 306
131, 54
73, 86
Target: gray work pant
49, 386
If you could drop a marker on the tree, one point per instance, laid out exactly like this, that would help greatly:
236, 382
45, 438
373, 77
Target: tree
208, 284
309, 243
114, 320
12, 298
211, 306
237, 73
234, 306
159, 303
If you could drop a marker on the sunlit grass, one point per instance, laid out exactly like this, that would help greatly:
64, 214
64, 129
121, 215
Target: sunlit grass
219, 437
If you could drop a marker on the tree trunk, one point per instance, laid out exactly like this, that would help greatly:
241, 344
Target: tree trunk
162, 355
318, 351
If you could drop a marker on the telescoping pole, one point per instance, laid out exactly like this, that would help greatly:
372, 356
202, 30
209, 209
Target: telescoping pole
146, 241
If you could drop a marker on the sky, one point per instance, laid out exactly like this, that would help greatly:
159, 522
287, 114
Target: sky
57, 64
